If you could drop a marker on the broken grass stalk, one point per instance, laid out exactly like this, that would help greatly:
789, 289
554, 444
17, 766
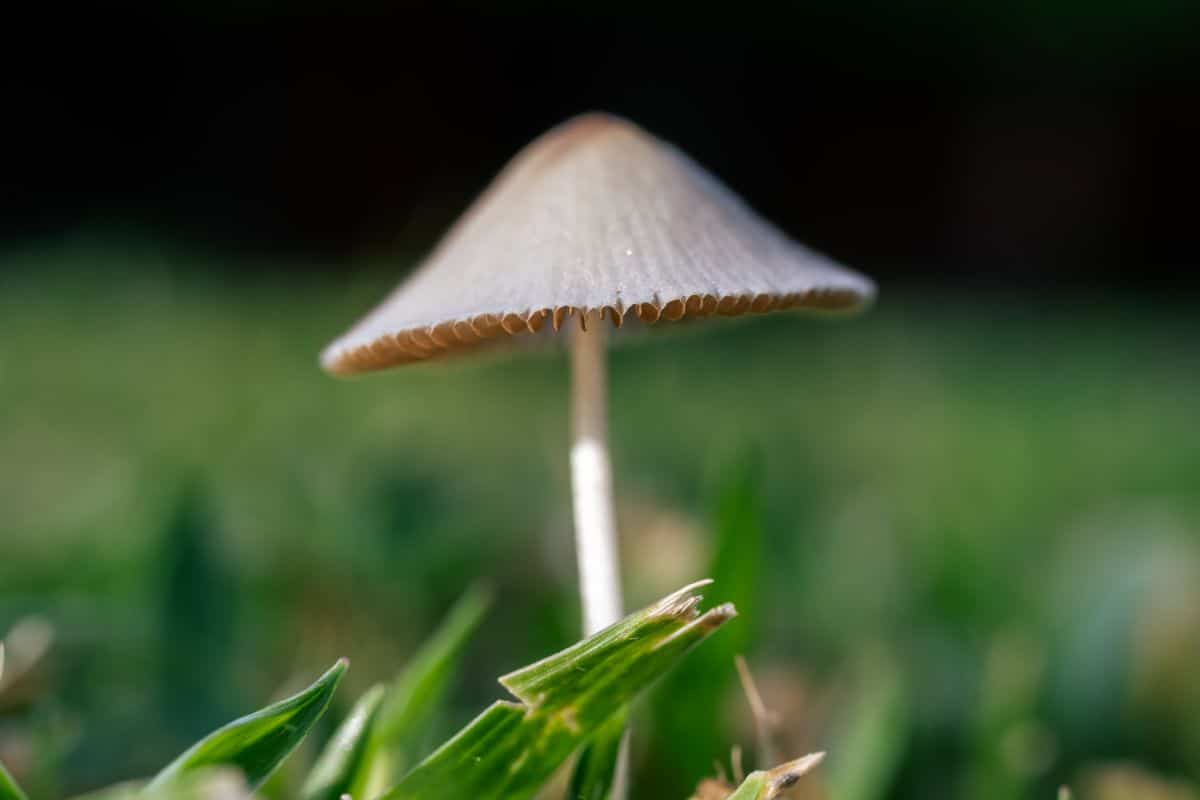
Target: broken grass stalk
510, 749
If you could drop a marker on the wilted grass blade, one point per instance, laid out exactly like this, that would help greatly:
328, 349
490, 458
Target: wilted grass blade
331, 776
596, 771
773, 783
258, 743
512, 748
8, 787
411, 703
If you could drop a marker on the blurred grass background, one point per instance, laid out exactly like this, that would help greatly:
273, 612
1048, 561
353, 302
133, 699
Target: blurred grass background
971, 520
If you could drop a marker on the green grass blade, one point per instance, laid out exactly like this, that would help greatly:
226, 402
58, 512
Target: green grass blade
739, 551
596, 770
410, 705
334, 771
222, 783
753, 788
689, 736
512, 748
8, 787
422, 685
196, 601
771, 784
872, 738
258, 743
1008, 698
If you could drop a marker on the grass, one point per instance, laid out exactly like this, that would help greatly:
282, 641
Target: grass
508, 752
943, 474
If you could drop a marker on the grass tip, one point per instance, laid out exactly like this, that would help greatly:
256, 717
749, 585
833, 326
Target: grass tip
683, 602
786, 775
721, 614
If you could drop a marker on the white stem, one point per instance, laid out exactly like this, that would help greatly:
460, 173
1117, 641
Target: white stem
591, 481
591, 489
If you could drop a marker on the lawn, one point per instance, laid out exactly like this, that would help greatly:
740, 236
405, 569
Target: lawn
975, 519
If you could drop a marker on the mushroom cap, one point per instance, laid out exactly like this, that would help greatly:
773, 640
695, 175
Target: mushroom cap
596, 215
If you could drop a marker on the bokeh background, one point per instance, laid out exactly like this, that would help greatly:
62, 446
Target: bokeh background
964, 529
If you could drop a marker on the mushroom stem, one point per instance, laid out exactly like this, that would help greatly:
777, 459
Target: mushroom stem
592, 496
591, 480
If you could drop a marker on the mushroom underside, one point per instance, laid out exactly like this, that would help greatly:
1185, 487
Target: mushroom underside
423, 343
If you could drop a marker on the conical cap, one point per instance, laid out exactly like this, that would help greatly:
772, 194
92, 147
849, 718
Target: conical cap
594, 216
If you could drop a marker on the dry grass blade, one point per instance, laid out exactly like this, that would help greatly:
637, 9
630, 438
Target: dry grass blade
765, 720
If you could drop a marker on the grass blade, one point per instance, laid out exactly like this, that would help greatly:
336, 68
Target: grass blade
8, 787
258, 743
220, 783
689, 736
196, 601
596, 771
512, 748
874, 734
414, 699
773, 783
334, 771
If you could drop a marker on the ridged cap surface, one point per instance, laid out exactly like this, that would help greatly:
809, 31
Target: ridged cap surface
594, 216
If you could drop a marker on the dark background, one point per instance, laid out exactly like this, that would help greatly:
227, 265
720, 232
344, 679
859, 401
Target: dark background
1047, 143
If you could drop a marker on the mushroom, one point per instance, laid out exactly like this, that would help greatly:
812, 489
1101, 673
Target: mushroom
598, 220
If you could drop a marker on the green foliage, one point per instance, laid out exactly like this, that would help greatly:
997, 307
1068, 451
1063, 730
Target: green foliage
512, 748
578, 696
737, 563
596, 770
1006, 746
342, 757
196, 606
9, 790
753, 788
927, 482
8, 787
258, 743
870, 742
409, 706
220, 783
771, 784
690, 736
